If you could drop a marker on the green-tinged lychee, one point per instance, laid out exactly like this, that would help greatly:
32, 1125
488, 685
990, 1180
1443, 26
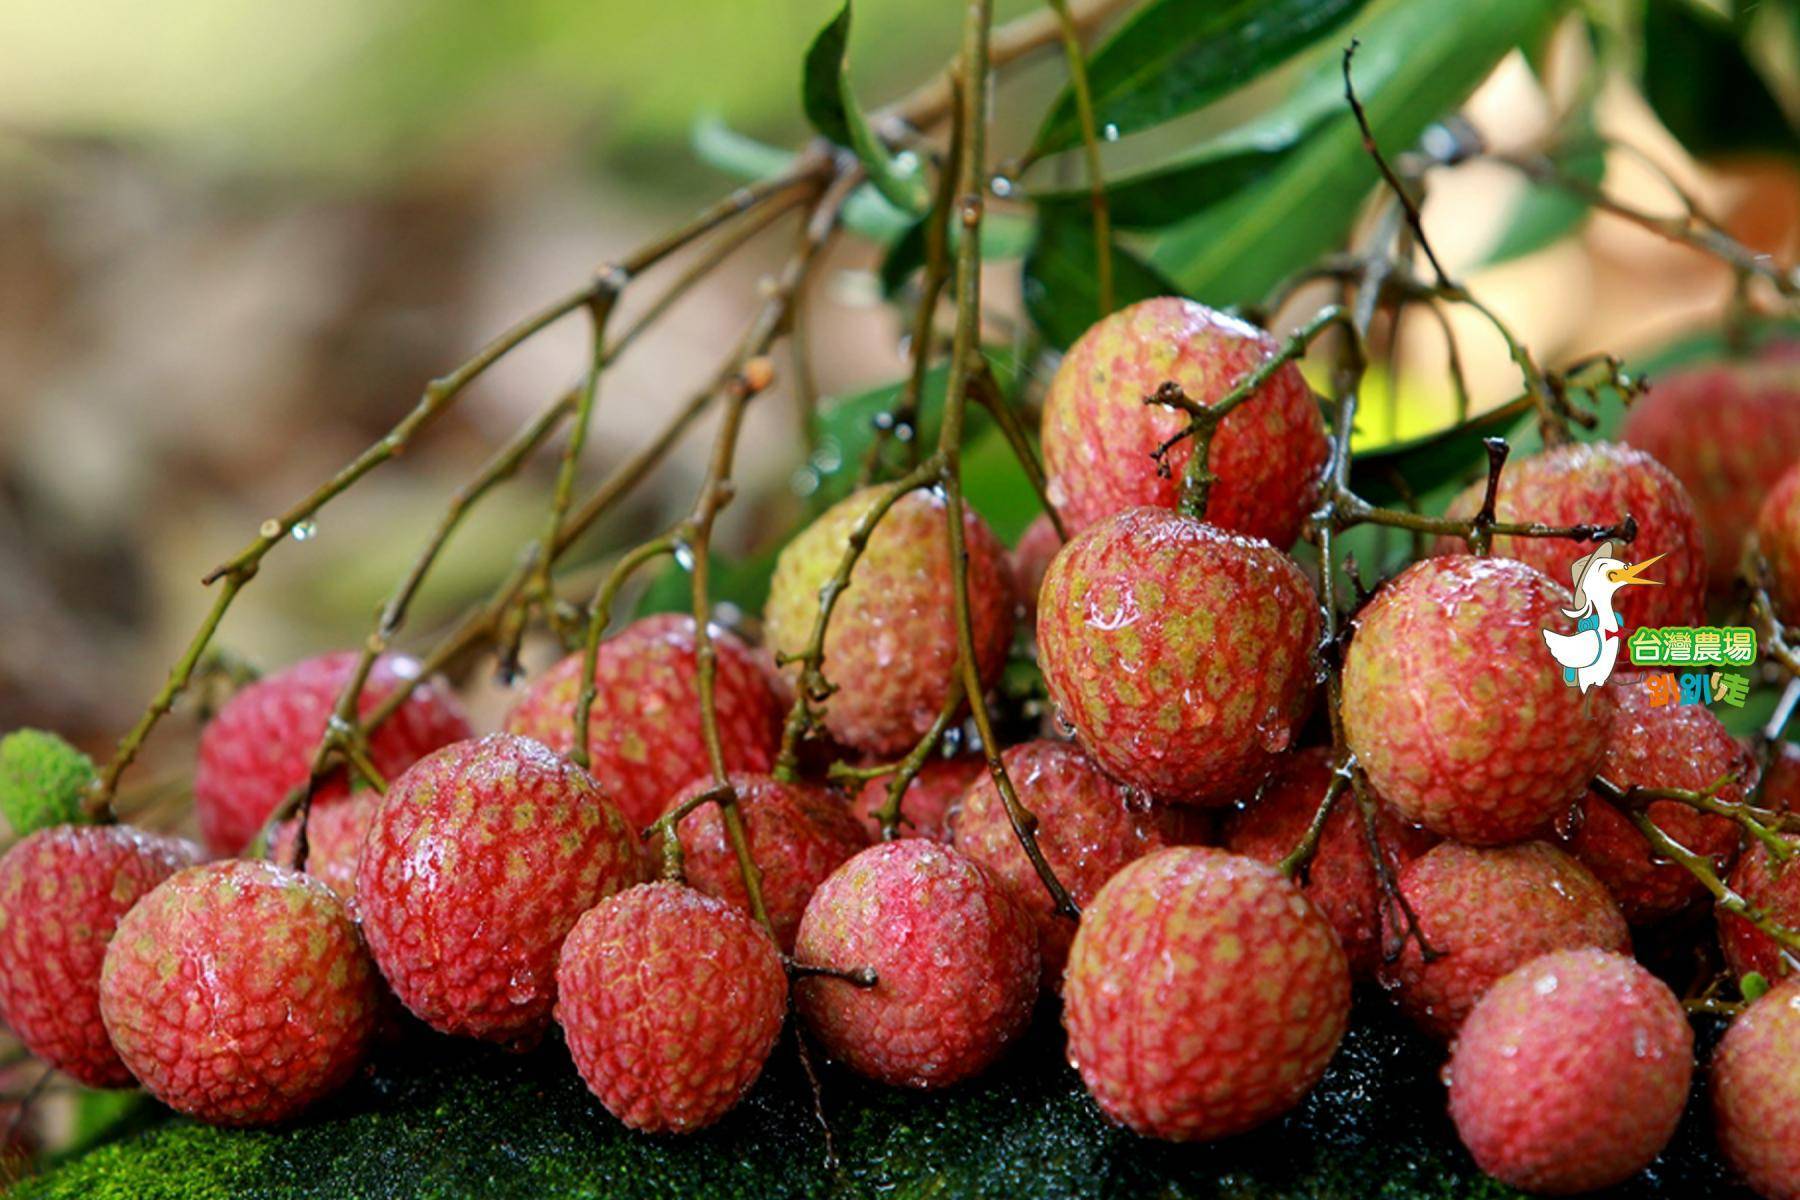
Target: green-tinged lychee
43, 781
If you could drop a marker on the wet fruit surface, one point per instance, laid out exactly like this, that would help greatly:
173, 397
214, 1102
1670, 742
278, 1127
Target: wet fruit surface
1756, 1093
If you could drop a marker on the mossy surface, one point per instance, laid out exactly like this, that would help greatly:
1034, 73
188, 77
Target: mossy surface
440, 1119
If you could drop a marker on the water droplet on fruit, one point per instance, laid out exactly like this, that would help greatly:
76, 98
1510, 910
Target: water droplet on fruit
1569, 822
1545, 985
1640, 1043
1064, 727
1444, 1075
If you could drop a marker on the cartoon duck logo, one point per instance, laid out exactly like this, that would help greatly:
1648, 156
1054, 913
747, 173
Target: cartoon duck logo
1588, 654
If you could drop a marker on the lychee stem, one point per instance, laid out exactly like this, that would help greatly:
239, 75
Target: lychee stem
1702, 869
1295, 863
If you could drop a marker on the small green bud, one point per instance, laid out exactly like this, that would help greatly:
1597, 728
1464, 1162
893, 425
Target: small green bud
43, 781
1754, 986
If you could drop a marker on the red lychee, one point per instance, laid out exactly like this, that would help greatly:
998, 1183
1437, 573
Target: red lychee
1341, 881
890, 649
1727, 431
1488, 911
239, 992
1454, 707
1571, 1073
1099, 433
1204, 995
1756, 1093
1772, 887
955, 962
260, 745
1030, 559
1088, 827
62, 892
798, 834
1682, 746
925, 805
644, 729
1778, 538
334, 838
1601, 483
1781, 780
670, 1001
476, 866
1183, 656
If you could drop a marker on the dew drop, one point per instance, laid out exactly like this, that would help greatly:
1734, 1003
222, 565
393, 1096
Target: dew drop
304, 531
1001, 186
1569, 823
1545, 985
1110, 132
684, 556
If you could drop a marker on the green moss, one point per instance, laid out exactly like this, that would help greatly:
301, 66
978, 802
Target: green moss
446, 1120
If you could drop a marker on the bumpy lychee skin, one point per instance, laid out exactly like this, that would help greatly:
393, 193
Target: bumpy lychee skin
478, 863
260, 745
1778, 538
1756, 1093
62, 893
925, 807
1341, 881
1601, 483
890, 648
334, 839
1571, 1073
644, 731
1204, 995
799, 833
1781, 783
955, 959
239, 992
1029, 560
1088, 828
1682, 746
1773, 888
1488, 911
1457, 711
670, 1001
1183, 656
1099, 433
1728, 432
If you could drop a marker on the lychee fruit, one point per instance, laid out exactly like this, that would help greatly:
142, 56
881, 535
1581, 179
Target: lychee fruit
334, 838
954, 958
890, 648
798, 834
1756, 1093
1088, 827
1204, 995
1455, 709
1030, 559
239, 992
1099, 433
1728, 432
62, 892
1781, 780
1485, 912
1183, 656
645, 740
1341, 880
926, 803
1778, 538
260, 745
670, 1001
1772, 887
1601, 483
1680, 746
476, 866
1571, 1073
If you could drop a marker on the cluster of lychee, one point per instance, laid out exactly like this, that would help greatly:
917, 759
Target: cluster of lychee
495, 889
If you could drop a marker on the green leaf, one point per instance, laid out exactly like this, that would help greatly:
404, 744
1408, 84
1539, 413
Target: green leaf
831, 106
1418, 60
1545, 215
1433, 460
1060, 278
1174, 56
1701, 75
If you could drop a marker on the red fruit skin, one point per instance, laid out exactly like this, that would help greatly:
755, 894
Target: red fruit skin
1778, 538
799, 833
1756, 1093
1781, 782
1728, 432
1087, 830
1601, 483
890, 648
1182, 656
1030, 559
260, 745
479, 861
1489, 911
1341, 881
334, 839
670, 1001
1204, 995
1571, 1073
239, 992
1098, 433
1680, 746
644, 734
1454, 707
62, 893
1771, 887
925, 806
955, 958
